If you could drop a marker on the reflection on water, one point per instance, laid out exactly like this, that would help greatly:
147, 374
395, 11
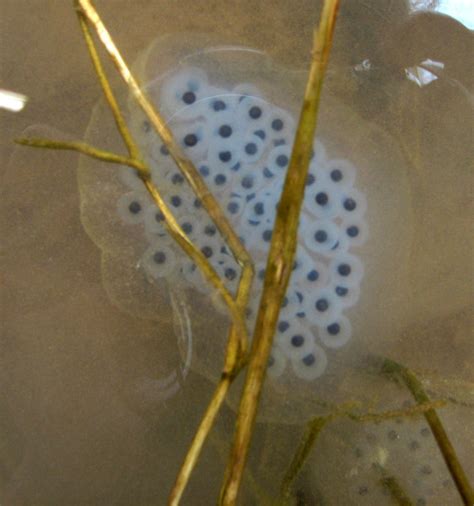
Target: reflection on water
462, 10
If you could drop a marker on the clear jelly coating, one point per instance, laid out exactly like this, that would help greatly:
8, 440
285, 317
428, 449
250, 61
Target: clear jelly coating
235, 118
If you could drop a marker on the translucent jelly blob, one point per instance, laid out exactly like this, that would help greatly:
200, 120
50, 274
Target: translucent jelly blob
234, 111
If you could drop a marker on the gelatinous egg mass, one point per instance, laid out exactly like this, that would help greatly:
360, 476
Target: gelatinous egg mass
233, 111
241, 144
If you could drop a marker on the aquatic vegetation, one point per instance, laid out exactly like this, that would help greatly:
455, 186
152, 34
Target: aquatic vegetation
238, 137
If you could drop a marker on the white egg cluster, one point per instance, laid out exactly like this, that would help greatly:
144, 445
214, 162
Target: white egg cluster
241, 145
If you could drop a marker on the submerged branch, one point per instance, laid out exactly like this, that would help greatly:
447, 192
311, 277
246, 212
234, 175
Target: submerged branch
84, 149
313, 430
394, 488
280, 258
194, 450
237, 340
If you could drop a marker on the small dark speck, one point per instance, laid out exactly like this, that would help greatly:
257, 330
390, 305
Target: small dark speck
358, 453
255, 112
392, 435
134, 207
414, 445
350, 204
426, 469
309, 360
364, 490
425, 432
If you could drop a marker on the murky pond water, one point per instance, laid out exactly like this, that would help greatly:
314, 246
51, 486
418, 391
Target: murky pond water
111, 343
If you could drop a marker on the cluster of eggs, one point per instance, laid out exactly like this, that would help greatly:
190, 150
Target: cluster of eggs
241, 144
403, 449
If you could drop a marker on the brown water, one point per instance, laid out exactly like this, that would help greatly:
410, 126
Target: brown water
81, 418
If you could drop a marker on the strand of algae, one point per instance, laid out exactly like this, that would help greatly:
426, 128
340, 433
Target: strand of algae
280, 258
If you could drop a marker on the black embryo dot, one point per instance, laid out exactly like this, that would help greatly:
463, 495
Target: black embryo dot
255, 112
282, 161
159, 257
230, 273
233, 207
190, 140
350, 204
218, 105
352, 231
322, 198
297, 341
312, 275
341, 291
309, 360
344, 269
225, 131
134, 207
187, 227
267, 235
251, 148
321, 236
225, 156
210, 230
177, 179
220, 179
322, 305
176, 200
207, 251
334, 329
189, 97
277, 124
336, 175
283, 326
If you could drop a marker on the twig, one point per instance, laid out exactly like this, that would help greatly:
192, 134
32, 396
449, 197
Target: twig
313, 430
237, 340
280, 258
394, 488
194, 450
444, 444
85, 149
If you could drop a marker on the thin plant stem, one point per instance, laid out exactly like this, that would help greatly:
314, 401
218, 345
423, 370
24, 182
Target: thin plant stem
132, 147
84, 149
394, 487
396, 491
312, 432
280, 258
194, 450
416, 410
447, 450
237, 340
187, 168
172, 225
